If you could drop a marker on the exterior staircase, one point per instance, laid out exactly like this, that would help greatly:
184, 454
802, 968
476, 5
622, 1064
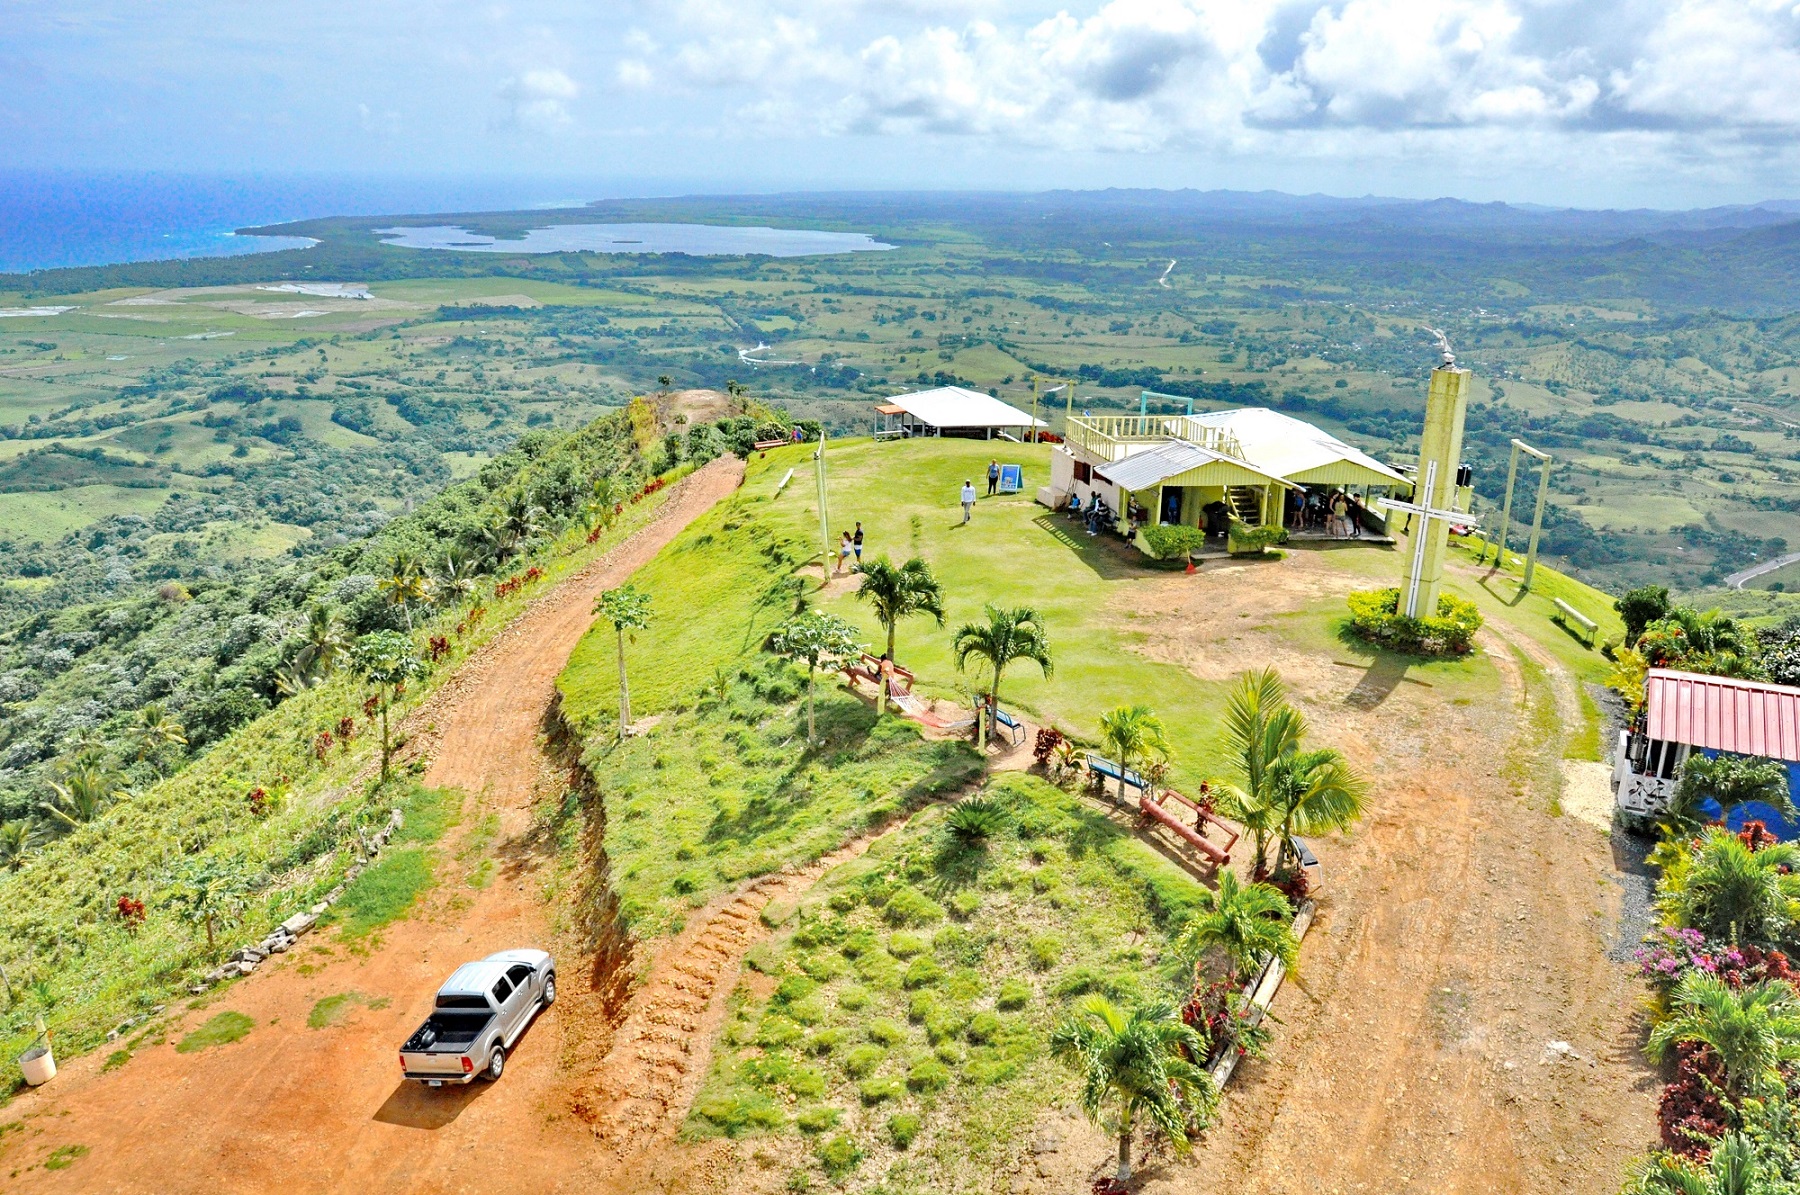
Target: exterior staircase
1246, 504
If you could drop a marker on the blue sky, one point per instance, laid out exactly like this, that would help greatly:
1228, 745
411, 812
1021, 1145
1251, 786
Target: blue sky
1603, 102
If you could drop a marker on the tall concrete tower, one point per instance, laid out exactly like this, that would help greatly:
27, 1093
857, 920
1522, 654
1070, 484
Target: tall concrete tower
1440, 453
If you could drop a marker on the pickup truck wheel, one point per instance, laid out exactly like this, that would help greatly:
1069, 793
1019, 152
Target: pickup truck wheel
549, 989
496, 1065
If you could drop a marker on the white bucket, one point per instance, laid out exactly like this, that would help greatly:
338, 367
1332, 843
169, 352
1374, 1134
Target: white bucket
39, 1065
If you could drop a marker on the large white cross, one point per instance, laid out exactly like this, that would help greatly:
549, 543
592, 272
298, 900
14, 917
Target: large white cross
1426, 512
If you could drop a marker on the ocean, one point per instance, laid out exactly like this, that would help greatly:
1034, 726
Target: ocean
62, 218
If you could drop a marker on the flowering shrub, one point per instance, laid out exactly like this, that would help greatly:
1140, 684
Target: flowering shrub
1755, 836
131, 911
1693, 1111
1670, 953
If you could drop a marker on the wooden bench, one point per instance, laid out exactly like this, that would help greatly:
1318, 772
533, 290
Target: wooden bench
1566, 613
765, 445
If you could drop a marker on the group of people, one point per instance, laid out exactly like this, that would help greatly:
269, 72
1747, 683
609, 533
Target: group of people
1338, 514
1097, 515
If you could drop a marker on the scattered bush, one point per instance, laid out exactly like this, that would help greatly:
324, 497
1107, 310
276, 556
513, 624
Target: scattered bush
861, 1061
904, 945
818, 1120
922, 972
903, 1127
928, 1075
984, 1028
1013, 995
825, 1041
1168, 541
879, 1088
965, 903
1043, 951
1374, 616
840, 1156
777, 1031
740, 1113
909, 906
853, 998
887, 1032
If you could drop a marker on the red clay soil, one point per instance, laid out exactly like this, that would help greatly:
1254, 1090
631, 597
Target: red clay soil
325, 1110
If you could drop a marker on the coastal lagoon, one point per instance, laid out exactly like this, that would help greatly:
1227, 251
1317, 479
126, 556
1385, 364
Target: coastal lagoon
699, 240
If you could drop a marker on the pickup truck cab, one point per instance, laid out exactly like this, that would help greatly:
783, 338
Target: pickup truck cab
479, 1013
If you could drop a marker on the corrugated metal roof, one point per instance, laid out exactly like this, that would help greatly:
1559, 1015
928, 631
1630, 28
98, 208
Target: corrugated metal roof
1153, 466
1298, 451
1722, 714
952, 406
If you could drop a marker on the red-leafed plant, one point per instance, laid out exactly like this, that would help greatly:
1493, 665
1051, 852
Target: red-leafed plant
322, 744
131, 911
371, 706
533, 573
346, 730
1755, 835
259, 801
1106, 1184
1694, 1111
438, 648
1048, 740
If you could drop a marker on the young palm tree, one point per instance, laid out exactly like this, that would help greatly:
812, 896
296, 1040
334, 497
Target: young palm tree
324, 643
1753, 1030
153, 729
628, 609
455, 579
1133, 732
16, 840
1245, 923
817, 638
1732, 1169
1314, 792
520, 520
1735, 893
84, 792
1008, 635
1261, 729
663, 382
406, 584
1135, 1065
899, 592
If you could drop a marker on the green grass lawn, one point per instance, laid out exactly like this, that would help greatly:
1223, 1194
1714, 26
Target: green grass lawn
902, 1032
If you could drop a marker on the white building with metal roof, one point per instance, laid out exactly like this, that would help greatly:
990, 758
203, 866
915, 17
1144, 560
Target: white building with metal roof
953, 411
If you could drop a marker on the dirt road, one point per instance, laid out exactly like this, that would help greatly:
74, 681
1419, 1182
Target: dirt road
324, 1110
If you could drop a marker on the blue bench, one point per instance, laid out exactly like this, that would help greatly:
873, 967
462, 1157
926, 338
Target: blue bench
1014, 729
1106, 768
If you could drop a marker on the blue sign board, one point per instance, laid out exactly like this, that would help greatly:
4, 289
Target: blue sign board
1012, 478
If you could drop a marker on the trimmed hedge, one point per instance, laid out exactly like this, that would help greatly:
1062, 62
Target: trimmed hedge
1169, 541
1375, 616
1245, 540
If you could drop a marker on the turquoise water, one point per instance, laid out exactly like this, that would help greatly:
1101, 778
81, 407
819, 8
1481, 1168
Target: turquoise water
699, 240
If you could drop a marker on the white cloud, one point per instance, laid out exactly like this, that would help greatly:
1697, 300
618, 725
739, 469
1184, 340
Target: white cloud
538, 99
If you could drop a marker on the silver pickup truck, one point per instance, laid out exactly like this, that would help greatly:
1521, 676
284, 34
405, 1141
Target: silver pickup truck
480, 1012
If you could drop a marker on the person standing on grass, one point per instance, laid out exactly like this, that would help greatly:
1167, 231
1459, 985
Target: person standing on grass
968, 500
993, 476
856, 542
844, 549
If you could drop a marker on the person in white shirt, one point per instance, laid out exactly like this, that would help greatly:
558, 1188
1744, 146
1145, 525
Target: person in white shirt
968, 500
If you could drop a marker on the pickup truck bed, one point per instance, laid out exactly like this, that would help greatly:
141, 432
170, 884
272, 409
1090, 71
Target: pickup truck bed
447, 1032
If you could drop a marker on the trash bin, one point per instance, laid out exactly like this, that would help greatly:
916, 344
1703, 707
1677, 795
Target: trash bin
38, 1064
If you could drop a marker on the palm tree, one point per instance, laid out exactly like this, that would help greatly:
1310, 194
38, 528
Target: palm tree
1132, 732
16, 840
663, 382
520, 520
1008, 635
323, 642
455, 579
1732, 1169
1753, 1030
900, 592
1729, 781
153, 729
628, 609
1137, 1064
84, 792
1314, 792
1244, 922
1261, 728
406, 583
817, 638
1735, 893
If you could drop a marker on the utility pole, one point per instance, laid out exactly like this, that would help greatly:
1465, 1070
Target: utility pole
824, 514
1034, 407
